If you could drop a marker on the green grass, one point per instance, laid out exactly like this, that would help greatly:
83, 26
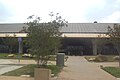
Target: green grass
115, 71
29, 70
3, 55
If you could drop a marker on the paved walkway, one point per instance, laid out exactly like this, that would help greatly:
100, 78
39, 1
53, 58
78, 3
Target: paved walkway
79, 69
6, 66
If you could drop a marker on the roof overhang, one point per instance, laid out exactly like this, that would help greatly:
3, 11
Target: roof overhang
13, 34
86, 35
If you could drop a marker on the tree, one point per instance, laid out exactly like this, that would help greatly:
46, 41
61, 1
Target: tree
114, 34
44, 38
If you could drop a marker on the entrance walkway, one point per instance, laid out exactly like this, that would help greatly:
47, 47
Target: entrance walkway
77, 68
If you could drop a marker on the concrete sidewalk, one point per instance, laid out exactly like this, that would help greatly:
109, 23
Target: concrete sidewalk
15, 78
6, 66
79, 69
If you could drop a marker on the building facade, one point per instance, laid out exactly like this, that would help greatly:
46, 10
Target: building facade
77, 38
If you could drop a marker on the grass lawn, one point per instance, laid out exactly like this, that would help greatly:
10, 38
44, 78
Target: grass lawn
115, 71
5, 56
29, 70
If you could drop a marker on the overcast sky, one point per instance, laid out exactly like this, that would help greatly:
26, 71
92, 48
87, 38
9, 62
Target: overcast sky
74, 11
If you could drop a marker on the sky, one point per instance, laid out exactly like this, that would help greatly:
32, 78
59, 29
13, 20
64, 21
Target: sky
73, 11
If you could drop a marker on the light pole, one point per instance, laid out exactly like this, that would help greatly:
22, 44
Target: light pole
20, 48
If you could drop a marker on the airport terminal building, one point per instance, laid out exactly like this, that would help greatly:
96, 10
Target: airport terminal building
77, 38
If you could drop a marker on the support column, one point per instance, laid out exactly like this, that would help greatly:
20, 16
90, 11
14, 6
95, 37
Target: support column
94, 41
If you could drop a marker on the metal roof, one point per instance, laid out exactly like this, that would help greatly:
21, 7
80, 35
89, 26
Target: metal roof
87, 27
71, 28
11, 27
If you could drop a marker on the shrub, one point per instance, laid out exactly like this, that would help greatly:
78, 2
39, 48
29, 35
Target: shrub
11, 55
100, 58
116, 58
91, 59
27, 55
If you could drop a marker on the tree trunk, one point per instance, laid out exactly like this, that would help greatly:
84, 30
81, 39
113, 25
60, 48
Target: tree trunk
119, 59
118, 50
38, 62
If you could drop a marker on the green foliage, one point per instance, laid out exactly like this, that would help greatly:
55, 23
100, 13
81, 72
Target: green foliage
114, 34
44, 38
115, 71
55, 69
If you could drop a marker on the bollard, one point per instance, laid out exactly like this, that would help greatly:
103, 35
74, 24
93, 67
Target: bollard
60, 59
